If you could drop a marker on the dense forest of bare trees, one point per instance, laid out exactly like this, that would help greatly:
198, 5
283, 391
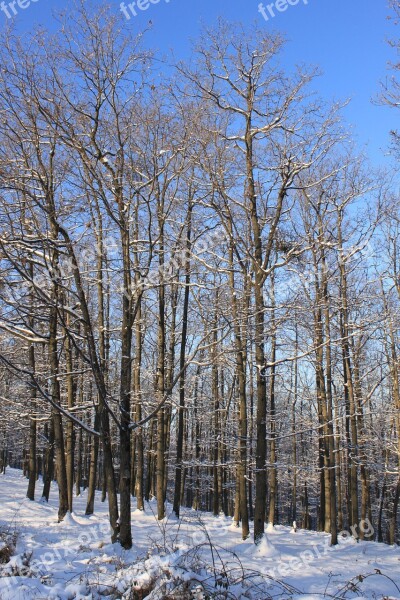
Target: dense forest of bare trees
200, 286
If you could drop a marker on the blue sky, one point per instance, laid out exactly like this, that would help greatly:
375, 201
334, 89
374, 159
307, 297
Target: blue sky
346, 38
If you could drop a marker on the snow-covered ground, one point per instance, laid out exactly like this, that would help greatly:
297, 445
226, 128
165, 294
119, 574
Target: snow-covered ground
197, 557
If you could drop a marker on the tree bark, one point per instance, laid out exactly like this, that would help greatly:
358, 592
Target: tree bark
182, 358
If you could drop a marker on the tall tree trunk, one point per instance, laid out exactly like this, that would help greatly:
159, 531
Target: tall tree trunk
93, 468
240, 355
48, 460
125, 533
160, 381
216, 414
351, 412
32, 429
99, 377
273, 474
182, 358
169, 376
78, 474
70, 434
330, 472
139, 473
196, 441
55, 413
294, 440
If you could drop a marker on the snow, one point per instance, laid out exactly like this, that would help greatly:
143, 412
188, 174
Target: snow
265, 549
75, 559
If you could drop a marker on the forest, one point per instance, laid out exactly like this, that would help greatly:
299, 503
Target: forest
199, 284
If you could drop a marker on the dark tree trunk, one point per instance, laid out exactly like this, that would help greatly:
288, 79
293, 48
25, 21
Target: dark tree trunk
48, 460
93, 469
32, 432
178, 492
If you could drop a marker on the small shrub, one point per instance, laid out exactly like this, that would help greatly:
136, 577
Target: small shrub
8, 541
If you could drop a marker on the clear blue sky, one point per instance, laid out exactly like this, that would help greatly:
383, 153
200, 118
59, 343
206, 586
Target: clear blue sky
346, 38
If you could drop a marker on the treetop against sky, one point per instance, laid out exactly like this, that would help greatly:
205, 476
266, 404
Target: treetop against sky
347, 40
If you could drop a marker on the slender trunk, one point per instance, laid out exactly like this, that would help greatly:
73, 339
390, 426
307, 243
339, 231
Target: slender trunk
380, 512
32, 432
323, 461
366, 508
196, 432
48, 460
261, 418
273, 475
181, 413
351, 416
99, 377
160, 388
70, 434
240, 354
125, 532
236, 513
160, 376
139, 473
216, 414
339, 468
79, 458
149, 488
55, 413
78, 474
294, 441
169, 376
330, 472
93, 468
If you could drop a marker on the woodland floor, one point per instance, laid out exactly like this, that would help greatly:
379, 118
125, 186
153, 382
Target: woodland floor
199, 557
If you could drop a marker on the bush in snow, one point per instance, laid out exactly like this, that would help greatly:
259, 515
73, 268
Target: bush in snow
8, 540
203, 572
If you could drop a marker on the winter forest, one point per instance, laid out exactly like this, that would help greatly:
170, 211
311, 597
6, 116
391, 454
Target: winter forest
199, 292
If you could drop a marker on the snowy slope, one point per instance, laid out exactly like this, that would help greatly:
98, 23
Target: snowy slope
74, 559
